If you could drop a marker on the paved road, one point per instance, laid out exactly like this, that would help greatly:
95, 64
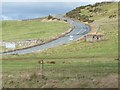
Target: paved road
80, 29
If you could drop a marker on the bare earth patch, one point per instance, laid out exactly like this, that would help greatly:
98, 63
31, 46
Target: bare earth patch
110, 81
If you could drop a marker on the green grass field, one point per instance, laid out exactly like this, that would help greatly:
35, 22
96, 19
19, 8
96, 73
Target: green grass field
79, 64
34, 29
65, 73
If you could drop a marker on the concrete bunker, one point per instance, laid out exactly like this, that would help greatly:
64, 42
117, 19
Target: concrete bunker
93, 37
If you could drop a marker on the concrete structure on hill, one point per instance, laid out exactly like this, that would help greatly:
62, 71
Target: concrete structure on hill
93, 37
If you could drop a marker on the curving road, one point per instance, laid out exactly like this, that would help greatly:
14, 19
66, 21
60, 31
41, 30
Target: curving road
80, 30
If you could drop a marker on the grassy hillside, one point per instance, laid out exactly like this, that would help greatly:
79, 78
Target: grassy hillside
79, 64
90, 13
107, 48
34, 29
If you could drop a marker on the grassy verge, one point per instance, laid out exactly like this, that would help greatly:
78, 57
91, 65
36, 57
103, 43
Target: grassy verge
82, 72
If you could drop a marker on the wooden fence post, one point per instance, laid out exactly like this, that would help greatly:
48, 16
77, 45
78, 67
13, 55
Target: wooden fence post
41, 69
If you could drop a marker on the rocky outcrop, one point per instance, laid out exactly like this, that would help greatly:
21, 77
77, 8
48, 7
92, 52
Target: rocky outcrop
27, 43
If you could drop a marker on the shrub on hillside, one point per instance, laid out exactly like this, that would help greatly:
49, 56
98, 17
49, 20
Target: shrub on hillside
50, 17
90, 21
90, 10
112, 16
97, 10
82, 7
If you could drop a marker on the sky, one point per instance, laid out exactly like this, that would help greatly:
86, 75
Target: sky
57, 0
25, 10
